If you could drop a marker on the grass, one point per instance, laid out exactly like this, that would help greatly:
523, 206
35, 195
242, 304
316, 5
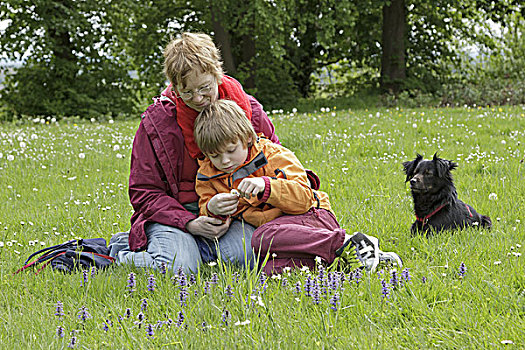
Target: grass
65, 180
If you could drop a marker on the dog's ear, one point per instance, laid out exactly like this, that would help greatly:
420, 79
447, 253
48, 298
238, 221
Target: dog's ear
443, 166
410, 166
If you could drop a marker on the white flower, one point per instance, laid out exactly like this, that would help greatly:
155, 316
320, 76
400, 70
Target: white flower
119, 156
81, 155
506, 342
1, 155
503, 142
1, 244
243, 323
497, 262
116, 147
23, 144
10, 157
274, 255
111, 121
212, 263
414, 125
318, 259
493, 196
276, 277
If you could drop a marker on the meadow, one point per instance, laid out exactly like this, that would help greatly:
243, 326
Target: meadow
464, 290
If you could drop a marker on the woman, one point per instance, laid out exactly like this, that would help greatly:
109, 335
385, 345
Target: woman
165, 228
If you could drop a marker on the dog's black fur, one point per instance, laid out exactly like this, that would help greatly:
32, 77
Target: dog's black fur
436, 202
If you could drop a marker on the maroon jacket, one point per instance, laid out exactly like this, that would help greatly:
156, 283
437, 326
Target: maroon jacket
156, 176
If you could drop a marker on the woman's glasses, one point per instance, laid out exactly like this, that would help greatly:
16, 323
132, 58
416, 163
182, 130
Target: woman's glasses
188, 95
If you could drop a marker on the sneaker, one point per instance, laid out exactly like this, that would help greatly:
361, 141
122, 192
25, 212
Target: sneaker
390, 259
363, 247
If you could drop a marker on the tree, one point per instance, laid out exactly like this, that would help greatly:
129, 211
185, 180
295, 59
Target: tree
73, 64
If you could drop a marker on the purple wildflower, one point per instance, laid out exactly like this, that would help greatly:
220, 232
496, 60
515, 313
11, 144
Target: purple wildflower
140, 318
193, 280
462, 270
180, 319
85, 278
180, 271
394, 281
424, 279
405, 274
333, 281
225, 317
308, 286
214, 278
72, 342
131, 283
284, 282
315, 292
262, 280
149, 331
106, 326
204, 326
162, 268
151, 283
59, 310
206, 287
83, 314
229, 292
384, 289
334, 301
356, 276
235, 277
144, 304
297, 288
93, 271
183, 295
127, 313
60, 332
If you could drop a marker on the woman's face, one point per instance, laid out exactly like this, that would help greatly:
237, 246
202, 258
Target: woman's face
199, 90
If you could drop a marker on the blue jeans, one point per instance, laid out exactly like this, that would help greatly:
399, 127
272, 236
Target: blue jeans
176, 248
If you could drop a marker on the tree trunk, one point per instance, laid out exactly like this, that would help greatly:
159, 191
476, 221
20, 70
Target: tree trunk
393, 59
222, 37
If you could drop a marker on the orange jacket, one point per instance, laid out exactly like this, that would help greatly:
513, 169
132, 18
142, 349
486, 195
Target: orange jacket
290, 192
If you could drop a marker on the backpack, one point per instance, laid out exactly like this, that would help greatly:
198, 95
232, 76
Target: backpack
71, 256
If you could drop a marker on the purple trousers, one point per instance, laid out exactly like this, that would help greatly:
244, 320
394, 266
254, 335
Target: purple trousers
296, 240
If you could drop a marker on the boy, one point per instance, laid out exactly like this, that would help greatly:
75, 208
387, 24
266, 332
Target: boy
294, 223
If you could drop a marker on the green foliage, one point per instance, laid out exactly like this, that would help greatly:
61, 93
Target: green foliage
73, 64
496, 76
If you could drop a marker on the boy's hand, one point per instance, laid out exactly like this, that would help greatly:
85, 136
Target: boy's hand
251, 186
223, 204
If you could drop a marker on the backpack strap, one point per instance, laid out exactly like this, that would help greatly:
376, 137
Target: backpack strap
52, 248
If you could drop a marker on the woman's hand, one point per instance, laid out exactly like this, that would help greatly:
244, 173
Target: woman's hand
251, 186
223, 204
208, 227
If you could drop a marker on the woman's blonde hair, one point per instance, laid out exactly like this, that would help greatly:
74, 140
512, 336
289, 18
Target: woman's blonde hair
190, 52
221, 123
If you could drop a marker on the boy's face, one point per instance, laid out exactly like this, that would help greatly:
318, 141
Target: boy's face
235, 155
199, 90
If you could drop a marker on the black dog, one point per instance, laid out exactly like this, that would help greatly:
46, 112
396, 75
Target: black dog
436, 202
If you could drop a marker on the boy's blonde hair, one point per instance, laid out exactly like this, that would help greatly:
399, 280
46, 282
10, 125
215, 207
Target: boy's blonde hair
190, 52
221, 123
